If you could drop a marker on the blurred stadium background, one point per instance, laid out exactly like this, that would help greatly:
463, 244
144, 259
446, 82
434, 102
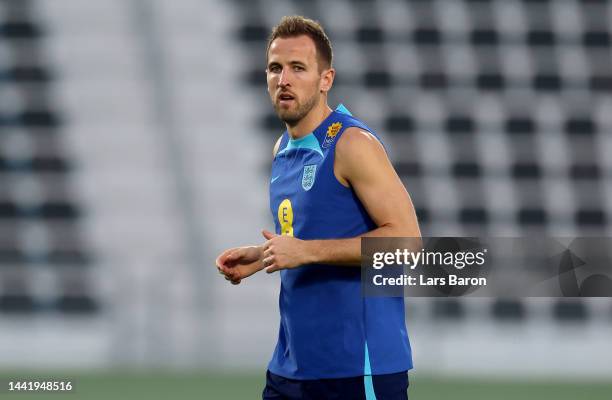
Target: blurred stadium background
135, 142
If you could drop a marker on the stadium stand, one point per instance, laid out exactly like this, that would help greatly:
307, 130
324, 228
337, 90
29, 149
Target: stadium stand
39, 214
496, 113
510, 80
116, 188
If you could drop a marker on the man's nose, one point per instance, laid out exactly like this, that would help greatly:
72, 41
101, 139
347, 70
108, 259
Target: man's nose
284, 78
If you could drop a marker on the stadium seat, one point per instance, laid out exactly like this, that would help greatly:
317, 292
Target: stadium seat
580, 126
547, 82
398, 124
409, 168
490, 81
11, 256
369, 35
251, 33
76, 304
529, 170
459, 124
590, 217
17, 303
570, 310
427, 36
532, 216
466, 170
433, 80
19, 30
596, 39
377, 79
520, 125
484, 37
541, 38
448, 309
506, 309
474, 215
585, 171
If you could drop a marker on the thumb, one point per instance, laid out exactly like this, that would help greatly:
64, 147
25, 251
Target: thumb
234, 255
267, 234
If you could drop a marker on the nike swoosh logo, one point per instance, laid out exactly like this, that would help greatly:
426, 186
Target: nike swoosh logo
273, 179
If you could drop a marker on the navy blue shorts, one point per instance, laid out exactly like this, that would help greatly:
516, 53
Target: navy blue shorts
375, 387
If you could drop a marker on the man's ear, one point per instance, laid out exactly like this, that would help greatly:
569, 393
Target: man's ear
327, 79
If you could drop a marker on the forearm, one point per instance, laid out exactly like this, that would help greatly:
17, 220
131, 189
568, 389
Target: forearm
347, 252
334, 251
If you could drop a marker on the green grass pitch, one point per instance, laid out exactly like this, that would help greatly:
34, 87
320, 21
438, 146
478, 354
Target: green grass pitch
153, 385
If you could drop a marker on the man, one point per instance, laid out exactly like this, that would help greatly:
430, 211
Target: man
332, 183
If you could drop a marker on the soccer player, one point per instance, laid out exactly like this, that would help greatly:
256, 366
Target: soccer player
331, 184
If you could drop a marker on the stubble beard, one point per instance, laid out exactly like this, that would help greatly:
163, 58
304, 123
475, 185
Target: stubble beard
293, 117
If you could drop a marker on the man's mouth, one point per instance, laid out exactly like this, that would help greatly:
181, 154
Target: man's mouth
285, 98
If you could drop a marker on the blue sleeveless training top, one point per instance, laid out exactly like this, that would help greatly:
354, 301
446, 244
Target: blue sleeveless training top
327, 328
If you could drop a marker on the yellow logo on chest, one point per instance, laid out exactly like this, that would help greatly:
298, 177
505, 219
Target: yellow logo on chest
332, 132
285, 217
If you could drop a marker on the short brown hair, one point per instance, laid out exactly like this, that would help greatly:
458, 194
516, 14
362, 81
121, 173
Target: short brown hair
296, 25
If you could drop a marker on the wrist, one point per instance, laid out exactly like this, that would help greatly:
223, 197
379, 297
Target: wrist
310, 253
259, 251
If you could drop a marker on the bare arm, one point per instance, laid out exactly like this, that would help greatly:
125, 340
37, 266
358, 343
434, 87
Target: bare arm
362, 163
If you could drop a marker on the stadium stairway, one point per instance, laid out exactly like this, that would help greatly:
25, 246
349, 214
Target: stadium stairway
123, 179
170, 173
227, 162
48, 293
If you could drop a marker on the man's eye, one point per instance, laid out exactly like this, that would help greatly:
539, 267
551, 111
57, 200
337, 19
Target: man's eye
274, 69
298, 68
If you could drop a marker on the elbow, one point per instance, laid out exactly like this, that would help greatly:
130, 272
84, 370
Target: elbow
410, 234
408, 230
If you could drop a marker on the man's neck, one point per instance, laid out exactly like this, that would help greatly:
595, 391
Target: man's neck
310, 122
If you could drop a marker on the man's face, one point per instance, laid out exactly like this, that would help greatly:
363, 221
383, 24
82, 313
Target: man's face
294, 80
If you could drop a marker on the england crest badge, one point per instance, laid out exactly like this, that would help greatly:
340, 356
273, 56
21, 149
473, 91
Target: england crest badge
308, 176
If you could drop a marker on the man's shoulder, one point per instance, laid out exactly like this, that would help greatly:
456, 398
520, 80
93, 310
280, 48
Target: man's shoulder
277, 145
354, 138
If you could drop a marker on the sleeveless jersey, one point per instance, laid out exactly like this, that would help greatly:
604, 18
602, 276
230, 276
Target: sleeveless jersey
327, 328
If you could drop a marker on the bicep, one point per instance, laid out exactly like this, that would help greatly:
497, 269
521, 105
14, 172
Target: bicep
367, 168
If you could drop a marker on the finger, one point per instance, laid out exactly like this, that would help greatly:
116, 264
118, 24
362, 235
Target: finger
221, 258
267, 234
272, 268
232, 273
231, 259
233, 280
266, 245
219, 261
268, 261
268, 252
224, 269
234, 255
226, 272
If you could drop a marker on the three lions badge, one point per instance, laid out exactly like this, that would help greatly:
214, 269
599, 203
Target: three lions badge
308, 176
